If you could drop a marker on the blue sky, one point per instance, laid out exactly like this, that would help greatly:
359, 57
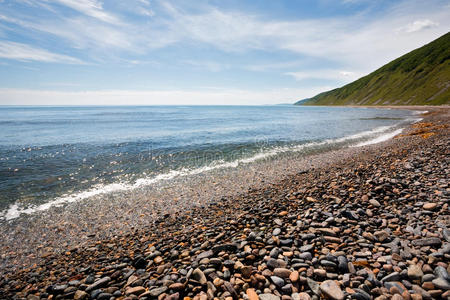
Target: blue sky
78, 52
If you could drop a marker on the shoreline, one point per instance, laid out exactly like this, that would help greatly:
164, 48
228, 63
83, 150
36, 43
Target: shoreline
168, 224
74, 193
55, 229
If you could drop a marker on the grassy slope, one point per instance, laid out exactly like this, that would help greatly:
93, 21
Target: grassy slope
421, 77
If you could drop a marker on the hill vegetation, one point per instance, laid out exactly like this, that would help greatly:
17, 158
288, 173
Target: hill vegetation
421, 77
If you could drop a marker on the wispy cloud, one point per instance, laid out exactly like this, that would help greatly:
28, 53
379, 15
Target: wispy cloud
92, 8
180, 37
350, 40
328, 74
419, 25
19, 51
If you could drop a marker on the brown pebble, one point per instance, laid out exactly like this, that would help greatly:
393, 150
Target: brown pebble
252, 294
303, 296
397, 297
430, 206
294, 276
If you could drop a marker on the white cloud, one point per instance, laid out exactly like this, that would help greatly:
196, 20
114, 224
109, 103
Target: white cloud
81, 33
357, 42
146, 12
157, 97
19, 51
328, 74
347, 73
360, 42
92, 8
419, 25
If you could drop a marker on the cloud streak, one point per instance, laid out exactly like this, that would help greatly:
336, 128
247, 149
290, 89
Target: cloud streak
419, 25
351, 40
92, 8
211, 41
23, 52
328, 74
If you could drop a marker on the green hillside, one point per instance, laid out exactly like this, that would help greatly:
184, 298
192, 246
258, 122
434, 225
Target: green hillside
421, 77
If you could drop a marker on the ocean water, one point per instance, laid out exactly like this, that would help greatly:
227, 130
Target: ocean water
56, 155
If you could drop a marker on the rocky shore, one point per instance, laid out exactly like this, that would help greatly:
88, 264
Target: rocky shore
372, 226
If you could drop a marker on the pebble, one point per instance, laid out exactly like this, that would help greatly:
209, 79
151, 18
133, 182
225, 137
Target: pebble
268, 297
277, 281
441, 283
371, 229
157, 291
282, 272
441, 272
314, 286
430, 206
415, 272
97, 284
294, 276
374, 202
427, 242
199, 276
135, 291
395, 276
252, 294
303, 296
80, 295
331, 290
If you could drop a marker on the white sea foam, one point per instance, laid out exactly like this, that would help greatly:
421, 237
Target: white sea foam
420, 112
14, 211
380, 139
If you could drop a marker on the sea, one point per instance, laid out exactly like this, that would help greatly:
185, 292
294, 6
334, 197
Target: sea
54, 156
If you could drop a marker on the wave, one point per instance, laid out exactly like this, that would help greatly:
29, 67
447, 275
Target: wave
15, 210
380, 139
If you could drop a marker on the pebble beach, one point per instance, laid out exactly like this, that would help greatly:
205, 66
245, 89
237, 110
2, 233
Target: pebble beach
370, 222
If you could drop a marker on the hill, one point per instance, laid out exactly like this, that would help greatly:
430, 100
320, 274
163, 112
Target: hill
421, 77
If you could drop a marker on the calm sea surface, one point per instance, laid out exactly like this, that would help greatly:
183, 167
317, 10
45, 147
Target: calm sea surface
61, 154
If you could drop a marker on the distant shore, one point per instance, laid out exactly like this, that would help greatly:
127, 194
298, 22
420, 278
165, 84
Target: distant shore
354, 216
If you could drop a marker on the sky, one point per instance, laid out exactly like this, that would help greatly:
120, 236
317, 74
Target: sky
233, 52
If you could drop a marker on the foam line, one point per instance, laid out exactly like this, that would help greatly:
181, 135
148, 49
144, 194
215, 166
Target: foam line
380, 139
14, 211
